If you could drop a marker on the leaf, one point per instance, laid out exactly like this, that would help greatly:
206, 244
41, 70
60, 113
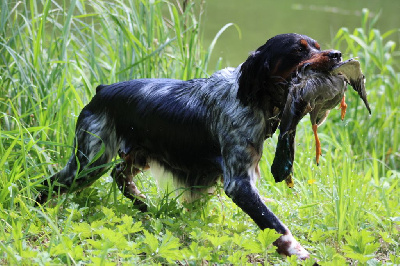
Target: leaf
97, 224
110, 216
267, 237
99, 244
197, 252
131, 248
360, 246
386, 237
151, 241
262, 243
101, 261
77, 253
357, 256
239, 239
116, 238
33, 229
83, 229
238, 258
127, 228
64, 247
318, 235
371, 248
253, 246
29, 254
218, 240
169, 248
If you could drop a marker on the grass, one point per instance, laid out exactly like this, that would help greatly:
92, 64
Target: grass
52, 56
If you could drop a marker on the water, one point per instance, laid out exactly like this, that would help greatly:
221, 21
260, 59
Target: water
262, 19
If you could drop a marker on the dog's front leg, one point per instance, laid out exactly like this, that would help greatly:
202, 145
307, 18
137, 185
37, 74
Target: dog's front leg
240, 188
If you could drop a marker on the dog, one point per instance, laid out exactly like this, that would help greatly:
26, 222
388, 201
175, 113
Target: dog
197, 130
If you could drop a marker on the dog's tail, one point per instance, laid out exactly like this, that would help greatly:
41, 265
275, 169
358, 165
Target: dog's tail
95, 145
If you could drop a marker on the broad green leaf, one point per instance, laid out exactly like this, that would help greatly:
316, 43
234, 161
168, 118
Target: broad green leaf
127, 227
169, 248
151, 241
218, 240
117, 238
266, 237
198, 252
82, 229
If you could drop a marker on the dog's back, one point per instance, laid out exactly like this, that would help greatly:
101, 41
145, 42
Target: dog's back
172, 124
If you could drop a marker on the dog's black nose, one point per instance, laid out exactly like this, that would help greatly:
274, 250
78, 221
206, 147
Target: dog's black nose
334, 54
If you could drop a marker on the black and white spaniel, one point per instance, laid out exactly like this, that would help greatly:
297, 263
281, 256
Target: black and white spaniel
201, 129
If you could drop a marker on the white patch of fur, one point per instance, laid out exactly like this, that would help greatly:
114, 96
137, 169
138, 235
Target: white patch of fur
166, 182
164, 178
254, 173
227, 73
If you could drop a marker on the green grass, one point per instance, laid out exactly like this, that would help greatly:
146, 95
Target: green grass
51, 59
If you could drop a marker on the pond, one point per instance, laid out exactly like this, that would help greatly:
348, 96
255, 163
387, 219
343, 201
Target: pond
259, 20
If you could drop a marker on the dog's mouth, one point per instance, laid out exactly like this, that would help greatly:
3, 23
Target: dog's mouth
341, 63
323, 62
310, 68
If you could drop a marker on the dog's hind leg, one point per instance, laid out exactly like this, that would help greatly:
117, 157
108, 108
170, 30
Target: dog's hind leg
95, 144
123, 174
239, 179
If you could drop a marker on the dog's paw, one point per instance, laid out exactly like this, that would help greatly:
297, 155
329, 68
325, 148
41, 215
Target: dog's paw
287, 245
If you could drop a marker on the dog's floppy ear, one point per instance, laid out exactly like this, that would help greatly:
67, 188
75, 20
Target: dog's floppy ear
253, 77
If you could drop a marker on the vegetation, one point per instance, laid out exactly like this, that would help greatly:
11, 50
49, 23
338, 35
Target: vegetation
52, 56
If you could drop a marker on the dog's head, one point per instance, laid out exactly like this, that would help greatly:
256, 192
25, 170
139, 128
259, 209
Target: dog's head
268, 70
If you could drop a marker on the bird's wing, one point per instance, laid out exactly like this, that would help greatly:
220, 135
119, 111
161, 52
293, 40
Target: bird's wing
351, 70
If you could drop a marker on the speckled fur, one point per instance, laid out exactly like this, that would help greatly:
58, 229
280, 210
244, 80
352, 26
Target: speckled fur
197, 130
